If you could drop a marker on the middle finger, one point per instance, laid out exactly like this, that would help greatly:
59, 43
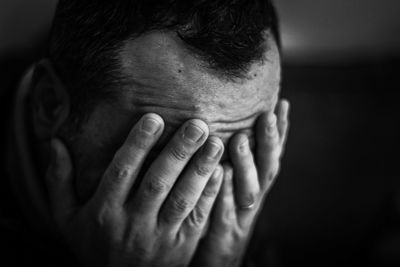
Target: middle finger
187, 190
167, 167
246, 182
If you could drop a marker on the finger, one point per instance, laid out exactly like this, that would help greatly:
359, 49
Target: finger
223, 216
197, 219
268, 149
188, 189
246, 184
283, 121
122, 172
59, 181
168, 166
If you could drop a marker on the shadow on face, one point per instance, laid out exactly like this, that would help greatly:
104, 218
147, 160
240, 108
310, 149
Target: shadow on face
163, 77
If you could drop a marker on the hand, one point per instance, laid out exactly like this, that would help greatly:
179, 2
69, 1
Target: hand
244, 188
157, 225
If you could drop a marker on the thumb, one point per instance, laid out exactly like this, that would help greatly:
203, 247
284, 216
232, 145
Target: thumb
59, 179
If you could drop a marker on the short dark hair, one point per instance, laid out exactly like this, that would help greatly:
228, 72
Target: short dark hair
87, 36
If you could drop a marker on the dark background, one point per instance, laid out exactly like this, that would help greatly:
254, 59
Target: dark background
337, 200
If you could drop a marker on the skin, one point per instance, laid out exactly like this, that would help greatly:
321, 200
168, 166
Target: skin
161, 224
152, 63
154, 227
150, 205
245, 185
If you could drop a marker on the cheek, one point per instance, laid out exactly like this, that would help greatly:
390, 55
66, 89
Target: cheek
94, 146
90, 163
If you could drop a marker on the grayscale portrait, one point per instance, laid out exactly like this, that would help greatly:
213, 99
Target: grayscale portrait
156, 133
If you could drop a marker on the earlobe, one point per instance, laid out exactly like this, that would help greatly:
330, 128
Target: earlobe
50, 100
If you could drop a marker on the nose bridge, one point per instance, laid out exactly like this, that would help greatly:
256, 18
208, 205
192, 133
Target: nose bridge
203, 110
208, 112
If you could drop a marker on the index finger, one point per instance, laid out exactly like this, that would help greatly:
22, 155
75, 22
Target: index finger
167, 167
128, 160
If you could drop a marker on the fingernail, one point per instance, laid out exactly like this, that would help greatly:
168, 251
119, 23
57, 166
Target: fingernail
151, 126
244, 146
212, 149
193, 133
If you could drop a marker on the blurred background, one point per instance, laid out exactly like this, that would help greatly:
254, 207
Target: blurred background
337, 200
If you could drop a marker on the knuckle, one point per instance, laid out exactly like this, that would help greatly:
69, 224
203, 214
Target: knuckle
179, 153
170, 218
202, 169
176, 209
118, 173
155, 186
211, 191
180, 204
197, 218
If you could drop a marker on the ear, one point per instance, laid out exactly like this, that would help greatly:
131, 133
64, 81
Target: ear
50, 100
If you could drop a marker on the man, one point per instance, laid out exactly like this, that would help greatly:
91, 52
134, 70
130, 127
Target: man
153, 123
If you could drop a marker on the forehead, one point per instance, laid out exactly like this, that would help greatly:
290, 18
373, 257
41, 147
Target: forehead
165, 77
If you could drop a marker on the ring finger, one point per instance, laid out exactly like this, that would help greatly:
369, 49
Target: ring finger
246, 182
188, 189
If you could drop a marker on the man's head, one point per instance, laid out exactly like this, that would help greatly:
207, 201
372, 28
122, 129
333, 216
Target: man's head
116, 60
